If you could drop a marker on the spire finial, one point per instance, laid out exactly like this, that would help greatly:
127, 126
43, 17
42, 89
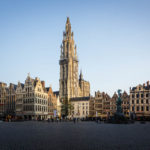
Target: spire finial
29, 74
75, 46
18, 82
75, 50
81, 75
61, 47
68, 28
68, 20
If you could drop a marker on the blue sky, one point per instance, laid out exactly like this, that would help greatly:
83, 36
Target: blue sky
112, 37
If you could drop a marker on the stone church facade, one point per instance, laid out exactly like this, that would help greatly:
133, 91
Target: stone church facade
71, 84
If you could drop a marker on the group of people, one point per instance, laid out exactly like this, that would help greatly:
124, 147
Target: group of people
57, 119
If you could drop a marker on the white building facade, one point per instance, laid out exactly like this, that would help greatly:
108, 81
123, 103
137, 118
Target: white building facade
80, 107
32, 100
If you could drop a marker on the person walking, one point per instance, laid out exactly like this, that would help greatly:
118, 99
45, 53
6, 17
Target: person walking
57, 119
74, 120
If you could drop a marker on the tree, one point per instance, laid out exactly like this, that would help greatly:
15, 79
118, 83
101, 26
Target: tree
66, 107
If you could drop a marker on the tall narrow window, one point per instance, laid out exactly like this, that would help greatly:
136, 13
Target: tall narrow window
147, 108
142, 108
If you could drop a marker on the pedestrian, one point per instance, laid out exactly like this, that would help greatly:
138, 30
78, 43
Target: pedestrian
96, 120
100, 120
57, 119
74, 120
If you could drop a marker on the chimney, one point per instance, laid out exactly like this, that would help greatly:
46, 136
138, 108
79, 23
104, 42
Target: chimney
43, 83
144, 85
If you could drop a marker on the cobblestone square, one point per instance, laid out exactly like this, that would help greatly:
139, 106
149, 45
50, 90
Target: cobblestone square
69, 136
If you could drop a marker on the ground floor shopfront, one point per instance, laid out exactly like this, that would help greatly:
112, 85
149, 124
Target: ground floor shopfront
32, 116
35, 117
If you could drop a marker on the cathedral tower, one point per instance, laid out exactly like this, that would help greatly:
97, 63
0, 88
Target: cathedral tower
68, 82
